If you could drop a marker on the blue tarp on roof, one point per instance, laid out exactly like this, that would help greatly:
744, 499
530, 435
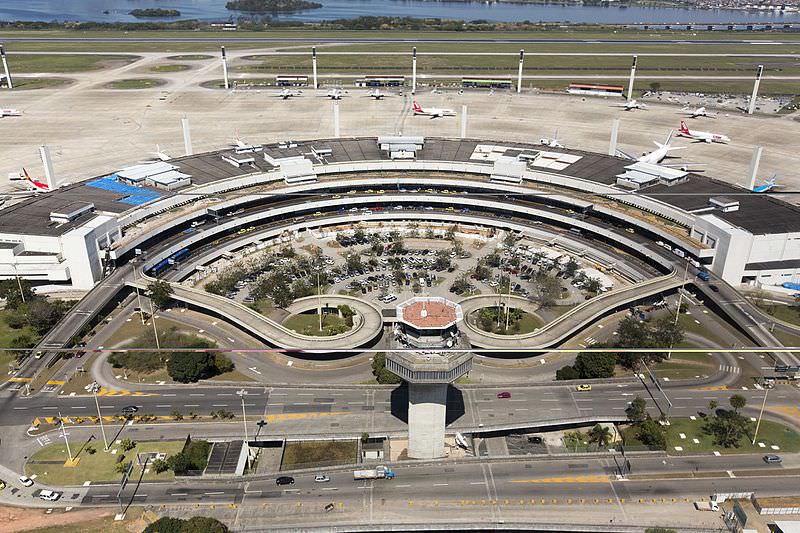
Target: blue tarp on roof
132, 195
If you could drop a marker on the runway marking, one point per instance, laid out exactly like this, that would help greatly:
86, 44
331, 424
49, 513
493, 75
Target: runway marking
571, 479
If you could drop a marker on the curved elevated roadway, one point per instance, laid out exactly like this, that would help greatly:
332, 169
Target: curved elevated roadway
367, 329
560, 328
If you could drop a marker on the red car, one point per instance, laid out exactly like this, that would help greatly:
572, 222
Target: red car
504, 395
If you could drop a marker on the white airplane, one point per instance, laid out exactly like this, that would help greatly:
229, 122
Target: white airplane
242, 147
768, 184
335, 94
657, 156
8, 112
703, 136
698, 112
29, 183
377, 94
630, 105
432, 112
287, 93
551, 143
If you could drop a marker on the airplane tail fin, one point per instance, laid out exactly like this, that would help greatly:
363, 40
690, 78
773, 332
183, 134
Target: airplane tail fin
684, 127
416, 107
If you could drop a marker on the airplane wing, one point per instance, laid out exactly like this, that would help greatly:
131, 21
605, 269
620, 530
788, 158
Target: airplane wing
686, 167
625, 155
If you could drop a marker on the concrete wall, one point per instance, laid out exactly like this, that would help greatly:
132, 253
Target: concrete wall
427, 404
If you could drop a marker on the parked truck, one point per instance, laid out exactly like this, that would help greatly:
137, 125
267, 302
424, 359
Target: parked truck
706, 506
378, 472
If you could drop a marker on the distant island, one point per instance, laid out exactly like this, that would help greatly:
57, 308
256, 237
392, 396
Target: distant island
154, 13
271, 6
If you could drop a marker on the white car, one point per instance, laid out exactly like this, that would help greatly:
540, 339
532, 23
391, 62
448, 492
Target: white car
26, 481
321, 478
49, 495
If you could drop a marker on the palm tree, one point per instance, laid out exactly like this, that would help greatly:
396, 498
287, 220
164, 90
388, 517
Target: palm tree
600, 435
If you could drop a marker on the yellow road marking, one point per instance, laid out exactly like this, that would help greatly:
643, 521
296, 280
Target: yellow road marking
571, 479
20, 380
54, 382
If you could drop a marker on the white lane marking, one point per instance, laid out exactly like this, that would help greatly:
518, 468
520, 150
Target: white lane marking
401, 486
162, 405
214, 493
191, 405
440, 484
219, 405
179, 494
20, 408
196, 394
169, 394
224, 394
331, 488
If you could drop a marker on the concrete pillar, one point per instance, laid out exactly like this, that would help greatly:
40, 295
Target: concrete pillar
754, 161
47, 162
414, 70
336, 119
752, 106
314, 65
427, 404
225, 68
463, 121
612, 145
519, 72
631, 80
187, 136
5, 67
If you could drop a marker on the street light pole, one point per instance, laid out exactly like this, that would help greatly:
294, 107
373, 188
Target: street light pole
19, 283
64, 434
242, 393
760, 414
95, 389
153, 319
680, 302
319, 298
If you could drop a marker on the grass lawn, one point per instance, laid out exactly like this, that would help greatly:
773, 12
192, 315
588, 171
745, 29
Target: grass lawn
787, 339
38, 83
64, 63
769, 433
169, 68
98, 467
787, 313
6, 335
327, 453
526, 323
308, 323
135, 83
686, 365
190, 57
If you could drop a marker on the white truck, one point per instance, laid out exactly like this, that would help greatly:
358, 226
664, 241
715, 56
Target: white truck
706, 506
379, 472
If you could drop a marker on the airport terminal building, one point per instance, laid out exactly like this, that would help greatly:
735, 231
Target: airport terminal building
75, 235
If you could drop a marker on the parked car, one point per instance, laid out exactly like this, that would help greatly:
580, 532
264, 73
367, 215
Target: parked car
26, 481
504, 395
285, 480
49, 495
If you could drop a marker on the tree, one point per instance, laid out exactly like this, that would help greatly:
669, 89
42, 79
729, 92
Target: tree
728, 428
10, 292
666, 333
159, 466
592, 285
712, 405
189, 367
122, 466
652, 434
222, 363
179, 463
571, 267
364, 437
382, 374
600, 435
42, 315
738, 402
165, 524
127, 445
566, 373
637, 410
548, 291
595, 365
160, 293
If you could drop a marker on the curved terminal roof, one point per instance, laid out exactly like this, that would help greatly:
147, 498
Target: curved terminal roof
758, 213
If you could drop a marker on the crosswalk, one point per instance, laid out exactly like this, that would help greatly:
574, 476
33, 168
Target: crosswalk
731, 369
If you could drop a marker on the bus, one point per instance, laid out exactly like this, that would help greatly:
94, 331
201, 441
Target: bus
486, 83
595, 89
381, 81
291, 81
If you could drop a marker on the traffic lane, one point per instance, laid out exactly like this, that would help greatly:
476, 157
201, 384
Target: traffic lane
202, 492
